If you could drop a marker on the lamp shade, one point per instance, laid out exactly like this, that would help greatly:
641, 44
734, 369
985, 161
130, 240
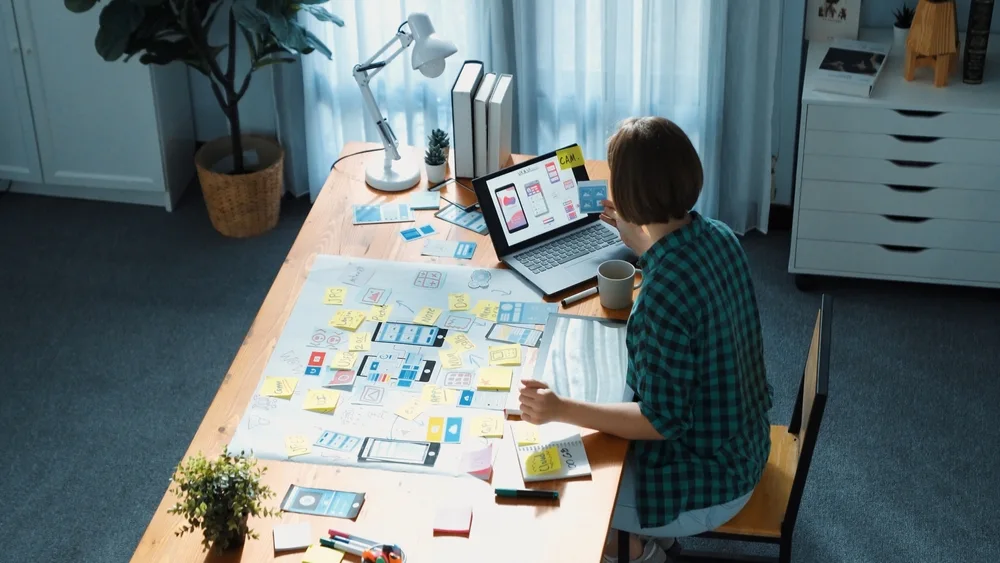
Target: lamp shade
429, 50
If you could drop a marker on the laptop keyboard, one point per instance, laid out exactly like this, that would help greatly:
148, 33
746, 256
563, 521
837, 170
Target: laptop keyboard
566, 249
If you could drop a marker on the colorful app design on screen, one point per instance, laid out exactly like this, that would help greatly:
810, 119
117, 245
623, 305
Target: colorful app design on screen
510, 206
537, 199
569, 184
570, 209
550, 167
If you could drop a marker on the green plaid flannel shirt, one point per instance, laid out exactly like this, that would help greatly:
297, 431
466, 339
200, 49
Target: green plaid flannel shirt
696, 363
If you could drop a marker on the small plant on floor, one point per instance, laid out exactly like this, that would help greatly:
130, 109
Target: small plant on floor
219, 496
904, 16
438, 138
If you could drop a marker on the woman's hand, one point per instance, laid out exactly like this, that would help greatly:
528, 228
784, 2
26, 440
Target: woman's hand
539, 404
632, 235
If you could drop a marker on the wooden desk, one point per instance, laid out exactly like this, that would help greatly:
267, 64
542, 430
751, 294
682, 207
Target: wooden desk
399, 506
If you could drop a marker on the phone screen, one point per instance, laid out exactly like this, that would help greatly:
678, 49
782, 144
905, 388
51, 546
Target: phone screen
396, 451
514, 335
510, 206
404, 333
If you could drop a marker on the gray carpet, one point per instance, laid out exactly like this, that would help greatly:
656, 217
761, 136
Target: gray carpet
117, 323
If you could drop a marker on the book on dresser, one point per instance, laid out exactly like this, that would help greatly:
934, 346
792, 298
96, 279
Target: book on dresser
462, 94
851, 67
480, 120
500, 118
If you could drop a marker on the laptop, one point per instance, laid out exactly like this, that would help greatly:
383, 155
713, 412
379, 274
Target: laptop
533, 214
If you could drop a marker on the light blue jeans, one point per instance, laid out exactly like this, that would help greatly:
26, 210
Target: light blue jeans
691, 523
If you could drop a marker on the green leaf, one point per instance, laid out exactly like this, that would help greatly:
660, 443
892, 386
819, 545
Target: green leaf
249, 17
118, 20
317, 44
79, 6
322, 14
272, 61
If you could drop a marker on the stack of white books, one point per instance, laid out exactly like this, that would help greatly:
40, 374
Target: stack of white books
482, 106
851, 67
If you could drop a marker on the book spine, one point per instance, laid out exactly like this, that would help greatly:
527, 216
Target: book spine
977, 37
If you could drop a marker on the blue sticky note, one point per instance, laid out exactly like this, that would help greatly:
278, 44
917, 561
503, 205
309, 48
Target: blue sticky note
453, 430
591, 193
466, 399
465, 250
313, 370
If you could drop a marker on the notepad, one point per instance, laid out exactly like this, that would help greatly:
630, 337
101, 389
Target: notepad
537, 463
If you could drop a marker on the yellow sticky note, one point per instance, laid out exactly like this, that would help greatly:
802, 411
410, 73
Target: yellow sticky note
348, 319
458, 301
525, 433
545, 461
297, 444
434, 395
320, 554
321, 400
344, 360
380, 313
411, 409
488, 426
570, 157
427, 316
280, 387
505, 355
494, 379
359, 342
461, 341
334, 295
451, 359
487, 310
450, 396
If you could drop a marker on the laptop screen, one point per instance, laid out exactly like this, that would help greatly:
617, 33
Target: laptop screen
533, 200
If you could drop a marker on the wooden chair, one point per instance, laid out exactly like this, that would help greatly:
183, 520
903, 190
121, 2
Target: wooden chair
770, 514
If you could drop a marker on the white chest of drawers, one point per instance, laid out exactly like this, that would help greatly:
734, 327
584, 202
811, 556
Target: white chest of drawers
904, 185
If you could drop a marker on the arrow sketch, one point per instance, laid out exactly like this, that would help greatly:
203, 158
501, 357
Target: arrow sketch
501, 291
403, 305
475, 359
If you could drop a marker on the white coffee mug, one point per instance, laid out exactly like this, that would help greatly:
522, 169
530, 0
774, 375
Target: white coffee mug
615, 282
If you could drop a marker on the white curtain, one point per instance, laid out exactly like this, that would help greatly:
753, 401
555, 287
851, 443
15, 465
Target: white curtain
580, 67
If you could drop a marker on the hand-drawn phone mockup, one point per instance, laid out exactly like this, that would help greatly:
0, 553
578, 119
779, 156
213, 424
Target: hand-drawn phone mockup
514, 335
405, 333
510, 207
399, 451
373, 367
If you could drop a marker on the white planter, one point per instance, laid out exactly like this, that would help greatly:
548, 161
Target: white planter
899, 35
435, 173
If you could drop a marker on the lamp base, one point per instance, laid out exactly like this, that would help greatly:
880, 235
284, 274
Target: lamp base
401, 175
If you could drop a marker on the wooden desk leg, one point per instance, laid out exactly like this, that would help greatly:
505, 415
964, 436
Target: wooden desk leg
623, 538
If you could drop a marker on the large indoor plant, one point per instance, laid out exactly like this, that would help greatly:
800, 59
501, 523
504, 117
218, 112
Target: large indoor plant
243, 197
219, 496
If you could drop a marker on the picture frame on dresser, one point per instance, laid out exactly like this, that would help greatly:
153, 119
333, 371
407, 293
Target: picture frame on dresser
903, 185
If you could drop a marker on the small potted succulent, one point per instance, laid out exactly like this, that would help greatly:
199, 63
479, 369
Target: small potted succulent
440, 138
219, 496
434, 159
901, 27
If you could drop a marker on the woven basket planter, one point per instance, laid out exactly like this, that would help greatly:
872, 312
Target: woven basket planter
242, 205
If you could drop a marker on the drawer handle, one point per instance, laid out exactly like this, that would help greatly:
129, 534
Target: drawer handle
913, 189
906, 249
903, 219
912, 163
918, 113
916, 139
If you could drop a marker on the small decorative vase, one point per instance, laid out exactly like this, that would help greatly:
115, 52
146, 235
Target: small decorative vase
899, 37
435, 173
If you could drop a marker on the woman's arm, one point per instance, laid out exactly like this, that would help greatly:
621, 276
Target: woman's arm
540, 405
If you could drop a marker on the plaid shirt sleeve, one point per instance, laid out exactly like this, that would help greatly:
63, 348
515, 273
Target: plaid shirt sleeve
669, 379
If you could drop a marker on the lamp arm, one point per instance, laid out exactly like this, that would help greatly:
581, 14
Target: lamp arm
363, 73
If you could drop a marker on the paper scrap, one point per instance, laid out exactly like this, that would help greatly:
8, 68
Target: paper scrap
487, 310
427, 316
494, 379
380, 313
488, 426
525, 433
453, 519
434, 395
451, 359
359, 342
458, 301
297, 444
505, 355
411, 409
347, 319
334, 295
460, 341
570, 157
545, 461
280, 387
344, 360
321, 400
320, 554
477, 462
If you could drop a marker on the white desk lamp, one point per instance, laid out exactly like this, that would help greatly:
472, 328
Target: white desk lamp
397, 173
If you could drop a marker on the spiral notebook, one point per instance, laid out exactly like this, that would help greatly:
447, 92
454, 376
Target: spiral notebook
563, 458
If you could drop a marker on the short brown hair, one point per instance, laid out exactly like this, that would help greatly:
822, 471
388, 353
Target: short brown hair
656, 174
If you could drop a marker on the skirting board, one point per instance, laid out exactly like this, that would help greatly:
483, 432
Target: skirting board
158, 199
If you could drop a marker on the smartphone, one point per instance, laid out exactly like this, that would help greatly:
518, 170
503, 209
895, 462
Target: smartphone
405, 333
514, 335
510, 206
399, 451
534, 192
323, 502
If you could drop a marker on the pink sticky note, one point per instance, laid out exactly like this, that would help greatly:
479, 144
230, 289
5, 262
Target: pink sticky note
453, 520
478, 463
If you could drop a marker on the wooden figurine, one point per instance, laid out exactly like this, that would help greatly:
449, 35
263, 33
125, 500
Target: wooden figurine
933, 40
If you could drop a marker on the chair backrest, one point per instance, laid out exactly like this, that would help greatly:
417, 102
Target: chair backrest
809, 406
